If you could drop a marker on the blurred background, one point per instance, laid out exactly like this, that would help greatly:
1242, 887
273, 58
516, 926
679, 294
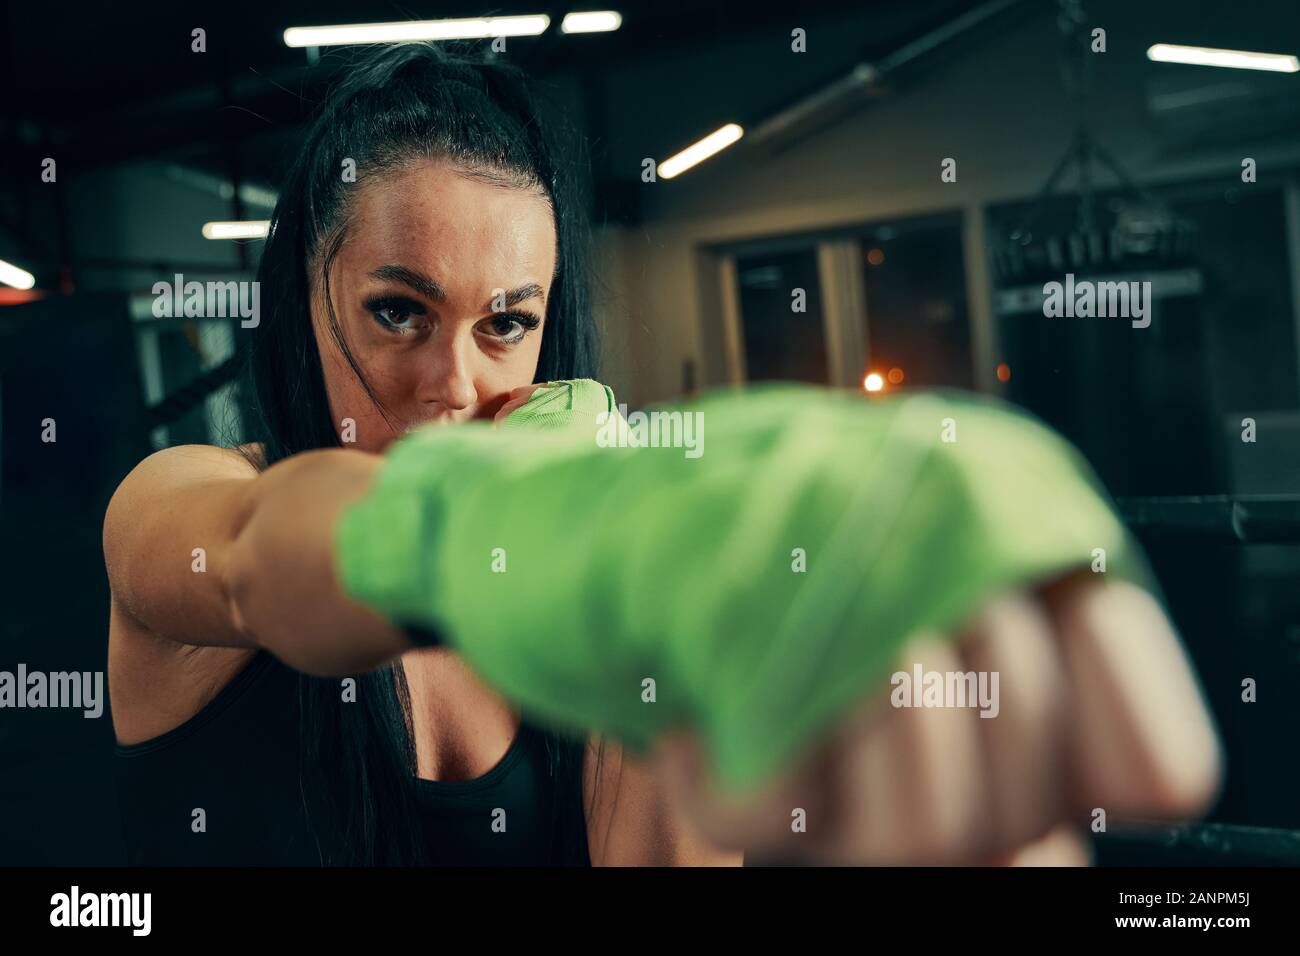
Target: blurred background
825, 244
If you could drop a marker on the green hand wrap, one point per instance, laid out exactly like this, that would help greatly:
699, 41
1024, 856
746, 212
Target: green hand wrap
618, 564
562, 404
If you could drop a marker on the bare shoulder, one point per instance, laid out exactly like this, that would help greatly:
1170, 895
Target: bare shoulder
157, 480
173, 504
181, 464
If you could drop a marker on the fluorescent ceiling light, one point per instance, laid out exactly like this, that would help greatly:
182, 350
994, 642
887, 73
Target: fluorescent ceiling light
18, 278
692, 155
1237, 59
253, 229
476, 28
593, 21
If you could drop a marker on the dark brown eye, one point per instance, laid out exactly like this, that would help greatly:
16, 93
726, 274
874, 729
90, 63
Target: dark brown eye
504, 325
396, 314
512, 327
393, 317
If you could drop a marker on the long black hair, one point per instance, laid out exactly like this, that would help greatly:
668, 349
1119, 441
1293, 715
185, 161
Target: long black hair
395, 106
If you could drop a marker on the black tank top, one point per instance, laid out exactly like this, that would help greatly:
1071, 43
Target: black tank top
237, 760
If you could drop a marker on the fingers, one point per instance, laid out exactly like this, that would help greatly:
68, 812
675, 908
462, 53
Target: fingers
763, 821
911, 781
1142, 743
1024, 737
515, 399
891, 785
903, 782
869, 793
955, 783
1090, 702
1063, 846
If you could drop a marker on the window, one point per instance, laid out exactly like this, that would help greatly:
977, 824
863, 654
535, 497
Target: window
916, 325
783, 326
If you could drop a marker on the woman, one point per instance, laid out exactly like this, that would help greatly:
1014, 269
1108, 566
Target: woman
431, 286
436, 288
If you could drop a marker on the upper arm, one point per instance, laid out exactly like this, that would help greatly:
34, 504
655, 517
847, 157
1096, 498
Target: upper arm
632, 819
167, 535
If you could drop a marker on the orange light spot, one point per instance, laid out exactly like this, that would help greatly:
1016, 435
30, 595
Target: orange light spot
876, 256
1004, 372
895, 376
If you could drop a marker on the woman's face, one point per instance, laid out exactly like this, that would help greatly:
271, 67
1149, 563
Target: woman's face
440, 289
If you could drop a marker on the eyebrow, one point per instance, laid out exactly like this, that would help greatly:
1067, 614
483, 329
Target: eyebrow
430, 288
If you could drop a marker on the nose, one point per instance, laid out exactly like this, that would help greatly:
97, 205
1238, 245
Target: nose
448, 376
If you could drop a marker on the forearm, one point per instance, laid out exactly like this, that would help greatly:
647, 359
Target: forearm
280, 580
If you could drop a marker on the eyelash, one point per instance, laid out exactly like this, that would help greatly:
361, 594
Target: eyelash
408, 307
526, 322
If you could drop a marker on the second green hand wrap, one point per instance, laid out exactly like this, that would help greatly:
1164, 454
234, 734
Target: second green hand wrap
623, 564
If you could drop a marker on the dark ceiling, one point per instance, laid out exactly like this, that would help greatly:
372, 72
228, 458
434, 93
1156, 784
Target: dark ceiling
98, 84
104, 83
112, 81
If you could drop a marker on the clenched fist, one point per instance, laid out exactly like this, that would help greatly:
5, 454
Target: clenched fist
1098, 710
